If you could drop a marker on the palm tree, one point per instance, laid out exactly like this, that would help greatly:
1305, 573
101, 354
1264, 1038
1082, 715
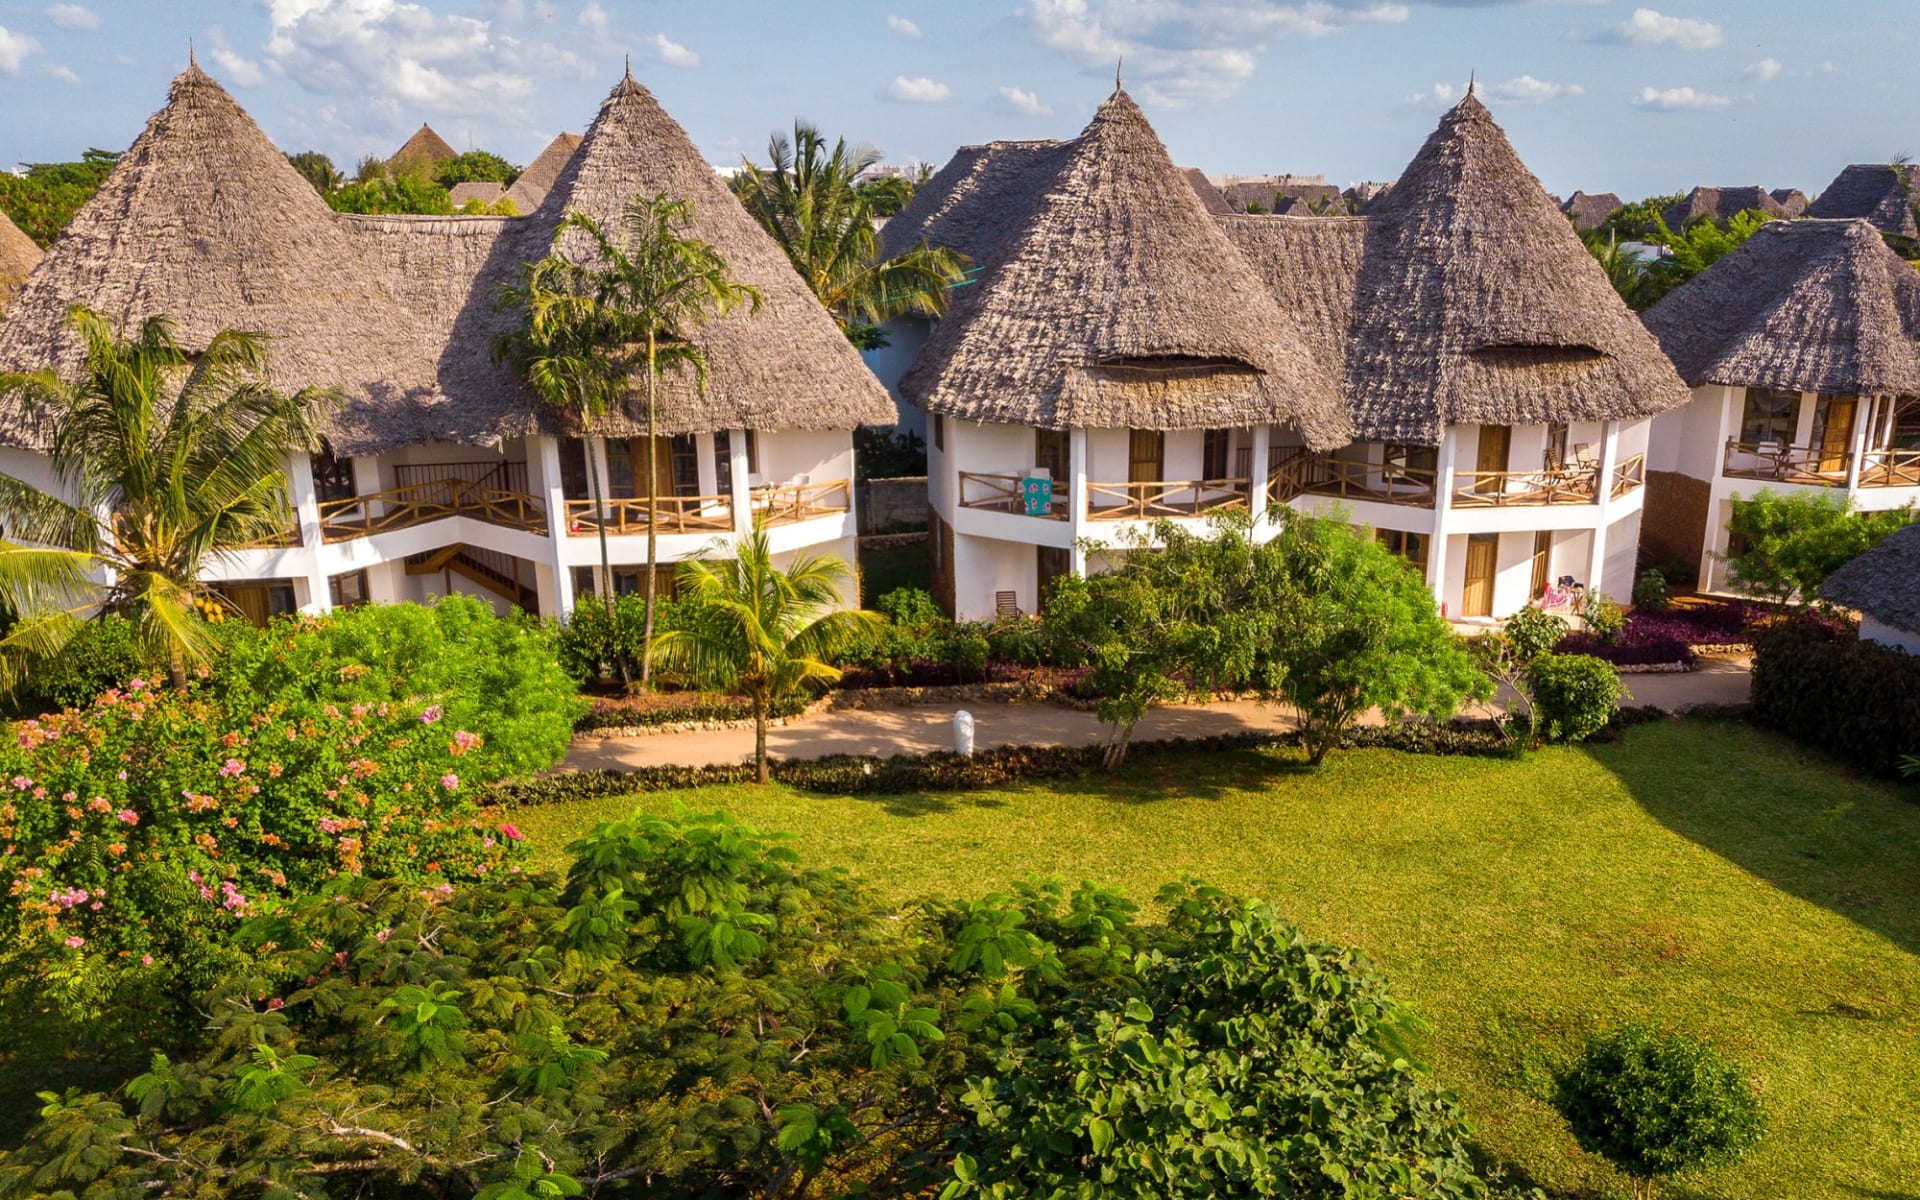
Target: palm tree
811, 202
634, 305
164, 462
746, 625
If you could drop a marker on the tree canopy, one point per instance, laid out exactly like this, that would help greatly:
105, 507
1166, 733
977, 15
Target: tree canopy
1783, 545
475, 166
44, 196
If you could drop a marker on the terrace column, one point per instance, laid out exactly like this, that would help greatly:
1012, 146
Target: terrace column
1077, 496
1603, 505
740, 490
554, 495
1732, 404
1863, 417
1442, 505
306, 510
1259, 491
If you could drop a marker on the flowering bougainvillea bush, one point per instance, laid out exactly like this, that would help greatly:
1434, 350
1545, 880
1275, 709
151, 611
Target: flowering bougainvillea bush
136, 833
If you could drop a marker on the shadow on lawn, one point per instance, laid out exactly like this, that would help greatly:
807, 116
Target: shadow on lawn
1804, 823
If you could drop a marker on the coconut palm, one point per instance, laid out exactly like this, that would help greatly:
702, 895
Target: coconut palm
164, 462
633, 303
746, 625
811, 203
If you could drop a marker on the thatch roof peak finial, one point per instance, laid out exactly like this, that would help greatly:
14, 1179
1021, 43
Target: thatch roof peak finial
629, 70
1471, 76
1118, 86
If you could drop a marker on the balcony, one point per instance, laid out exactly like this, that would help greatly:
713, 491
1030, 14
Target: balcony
449, 490
1152, 500
775, 504
1299, 473
1815, 466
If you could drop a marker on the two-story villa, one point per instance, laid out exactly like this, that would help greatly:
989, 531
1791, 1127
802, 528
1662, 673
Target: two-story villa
1802, 347
441, 471
1452, 369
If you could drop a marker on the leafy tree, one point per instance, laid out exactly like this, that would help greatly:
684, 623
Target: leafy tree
1783, 545
745, 625
318, 170
810, 203
43, 197
632, 303
475, 166
689, 1013
165, 460
885, 195
1626, 269
1360, 632
1505, 656
1657, 1106
1640, 220
402, 194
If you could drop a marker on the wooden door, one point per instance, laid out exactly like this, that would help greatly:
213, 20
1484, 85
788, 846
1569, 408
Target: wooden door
1495, 441
1483, 554
1542, 554
1146, 452
1836, 416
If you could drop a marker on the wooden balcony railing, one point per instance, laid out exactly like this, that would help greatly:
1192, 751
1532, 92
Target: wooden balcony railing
776, 504
1890, 468
1782, 463
1630, 475
1001, 493
1300, 473
418, 503
786, 503
1162, 498
1524, 489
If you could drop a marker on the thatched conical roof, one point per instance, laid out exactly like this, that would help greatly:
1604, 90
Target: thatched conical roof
1883, 583
1477, 303
1118, 301
1723, 203
1876, 192
18, 257
1211, 197
536, 181
1590, 211
979, 199
421, 152
1808, 305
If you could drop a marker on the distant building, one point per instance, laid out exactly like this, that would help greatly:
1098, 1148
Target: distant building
530, 190
1589, 210
421, 153
1720, 204
1881, 194
485, 191
1883, 586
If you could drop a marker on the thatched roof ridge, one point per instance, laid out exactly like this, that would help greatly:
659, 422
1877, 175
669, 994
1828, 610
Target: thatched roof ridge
421, 152
533, 184
980, 197
1118, 301
19, 255
1883, 583
1477, 303
1808, 305
1311, 265
1876, 192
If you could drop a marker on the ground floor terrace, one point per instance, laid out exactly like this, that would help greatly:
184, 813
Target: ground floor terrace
1496, 517
518, 524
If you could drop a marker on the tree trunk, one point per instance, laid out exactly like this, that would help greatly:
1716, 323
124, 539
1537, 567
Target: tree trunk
606, 561
653, 546
177, 670
761, 768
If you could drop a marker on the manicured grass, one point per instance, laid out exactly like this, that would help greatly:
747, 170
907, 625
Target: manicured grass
889, 567
1699, 875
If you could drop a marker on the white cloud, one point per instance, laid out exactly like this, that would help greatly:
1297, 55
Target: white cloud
1025, 101
1445, 95
1765, 71
594, 17
1649, 28
671, 52
919, 90
902, 26
1678, 99
14, 48
63, 74
241, 71
1521, 89
73, 16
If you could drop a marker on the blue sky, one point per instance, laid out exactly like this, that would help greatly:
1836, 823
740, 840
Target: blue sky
1598, 95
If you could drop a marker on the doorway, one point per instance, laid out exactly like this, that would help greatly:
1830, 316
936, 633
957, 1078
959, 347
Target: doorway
1146, 451
1542, 556
1483, 557
1834, 417
1495, 443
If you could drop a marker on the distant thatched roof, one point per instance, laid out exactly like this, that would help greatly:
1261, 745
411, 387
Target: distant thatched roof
1109, 298
531, 188
205, 222
1809, 305
18, 257
1883, 583
1270, 195
977, 200
1588, 211
1882, 194
485, 191
1792, 201
421, 152
1211, 198
1721, 203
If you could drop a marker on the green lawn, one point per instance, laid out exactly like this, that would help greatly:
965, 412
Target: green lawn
1699, 875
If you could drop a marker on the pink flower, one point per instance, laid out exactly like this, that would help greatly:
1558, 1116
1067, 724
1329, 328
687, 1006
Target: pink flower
384, 934
232, 767
511, 833
128, 817
123, 775
22, 783
465, 740
450, 781
430, 714
146, 960
74, 943
274, 1003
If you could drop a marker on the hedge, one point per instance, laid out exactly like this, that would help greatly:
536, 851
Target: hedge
1642, 652
1818, 682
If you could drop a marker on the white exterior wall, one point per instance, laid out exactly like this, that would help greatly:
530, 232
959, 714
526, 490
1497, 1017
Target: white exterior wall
984, 566
1900, 639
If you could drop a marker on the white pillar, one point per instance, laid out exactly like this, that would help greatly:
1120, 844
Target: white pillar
1077, 496
546, 452
1862, 417
741, 491
306, 508
1259, 492
1603, 506
1442, 505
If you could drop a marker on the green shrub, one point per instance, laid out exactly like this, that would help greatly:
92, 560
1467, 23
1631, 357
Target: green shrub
912, 608
1574, 695
1604, 619
1817, 681
1650, 592
100, 656
1658, 1105
498, 677
589, 641
1532, 632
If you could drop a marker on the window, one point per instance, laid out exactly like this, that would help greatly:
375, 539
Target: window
1050, 451
259, 601
348, 590
1906, 424
332, 477
683, 460
627, 581
1410, 546
573, 469
1146, 451
1412, 458
1770, 416
1556, 455
1216, 446
939, 432
1051, 562
723, 459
